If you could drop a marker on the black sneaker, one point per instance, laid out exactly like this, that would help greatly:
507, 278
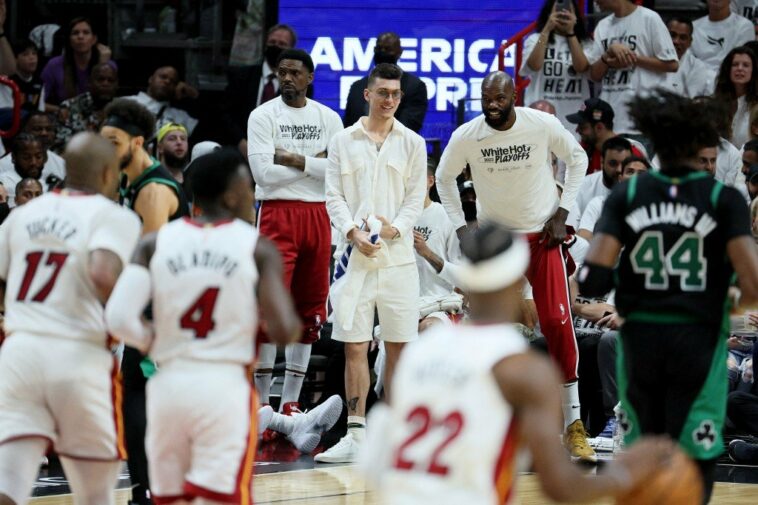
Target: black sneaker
743, 452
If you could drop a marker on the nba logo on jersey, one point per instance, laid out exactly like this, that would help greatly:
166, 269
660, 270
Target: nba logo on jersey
673, 191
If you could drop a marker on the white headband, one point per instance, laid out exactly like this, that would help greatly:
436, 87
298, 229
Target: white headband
495, 273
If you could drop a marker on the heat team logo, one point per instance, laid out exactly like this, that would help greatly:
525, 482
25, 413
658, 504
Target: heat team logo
425, 231
299, 132
506, 154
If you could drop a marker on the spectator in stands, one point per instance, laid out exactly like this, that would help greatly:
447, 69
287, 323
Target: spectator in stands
594, 124
468, 201
751, 182
173, 150
68, 75
633, 51
748, 9
555, 61
749, 155
27, 189
85, 112
7, 61
42, 126
414, 102
742, 411
26, 78
717, 33
694, 77
28, 158
737, 90
706, 159
250, 86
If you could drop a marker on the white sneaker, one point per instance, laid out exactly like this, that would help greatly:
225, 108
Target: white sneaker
308, 427
344, 451
265, 414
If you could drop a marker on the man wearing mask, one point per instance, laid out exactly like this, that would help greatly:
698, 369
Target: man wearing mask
414, 103
250, 86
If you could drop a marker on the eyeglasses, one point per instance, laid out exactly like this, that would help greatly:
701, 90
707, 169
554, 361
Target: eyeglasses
384, 94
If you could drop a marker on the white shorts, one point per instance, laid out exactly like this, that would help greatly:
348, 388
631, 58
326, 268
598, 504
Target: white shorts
201, 431
64, 390
394, 292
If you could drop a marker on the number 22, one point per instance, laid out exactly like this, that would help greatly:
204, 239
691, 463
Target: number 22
452, 423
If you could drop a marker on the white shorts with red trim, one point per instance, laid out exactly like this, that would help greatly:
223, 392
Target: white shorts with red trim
64, 390
201, 432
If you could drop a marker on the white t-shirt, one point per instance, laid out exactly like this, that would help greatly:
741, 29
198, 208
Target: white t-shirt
54, 166
44, 253
712, 40
441, 238
694, 78
512, 170
644, 32
302, 130
164, 112
741, 123
729, 165
592, 186
557, 81
592, 213
745, 8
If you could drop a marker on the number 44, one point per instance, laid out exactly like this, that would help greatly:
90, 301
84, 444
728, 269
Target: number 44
685, 259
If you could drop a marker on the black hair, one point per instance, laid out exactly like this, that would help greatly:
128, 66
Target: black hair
69, 65
678, 126
31, 115
681, 19
580, 30
22, 45
617, 143
213, 173
725, 89
384, 71
282, 26
751, 145
22, 139
131, 112
298, 55
633, 158
488, 241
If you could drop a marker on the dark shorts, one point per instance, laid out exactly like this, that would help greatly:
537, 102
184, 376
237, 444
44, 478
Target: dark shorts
672, 379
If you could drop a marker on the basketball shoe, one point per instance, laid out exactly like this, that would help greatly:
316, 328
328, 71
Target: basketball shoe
344, 451
308, 427
575, 441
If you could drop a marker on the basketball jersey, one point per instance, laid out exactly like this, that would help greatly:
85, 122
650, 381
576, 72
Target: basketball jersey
453, 438
674, 230
44, 256
155, 173
204, 279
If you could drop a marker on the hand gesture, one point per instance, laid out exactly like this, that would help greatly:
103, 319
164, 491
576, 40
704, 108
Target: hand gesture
362, 241
566, 20
388, 231
419, 243
554, 230
184, 90
621, 55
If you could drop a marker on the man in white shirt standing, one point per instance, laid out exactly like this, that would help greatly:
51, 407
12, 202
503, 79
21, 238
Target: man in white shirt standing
508, 150
376, 170
718, 33
694, 78
633, 52
287, 147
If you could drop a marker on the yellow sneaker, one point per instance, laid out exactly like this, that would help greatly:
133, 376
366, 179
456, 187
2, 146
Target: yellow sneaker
575, 441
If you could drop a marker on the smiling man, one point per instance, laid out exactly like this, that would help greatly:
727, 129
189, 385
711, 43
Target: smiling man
287, 140
508, 150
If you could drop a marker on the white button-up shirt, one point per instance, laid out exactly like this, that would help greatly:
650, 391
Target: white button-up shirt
389, 182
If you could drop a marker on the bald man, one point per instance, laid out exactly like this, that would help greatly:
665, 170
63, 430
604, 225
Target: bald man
513, 176
60, 257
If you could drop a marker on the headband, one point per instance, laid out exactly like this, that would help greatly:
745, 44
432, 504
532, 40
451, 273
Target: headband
169, 127
497, 272
123, 124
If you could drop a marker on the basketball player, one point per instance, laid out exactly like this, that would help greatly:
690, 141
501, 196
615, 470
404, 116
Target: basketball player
149, 189
508, 150
202, 276
681, 233
287, 141
436, 444
60, 256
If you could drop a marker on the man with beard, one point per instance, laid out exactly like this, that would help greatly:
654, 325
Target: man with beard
28, 158
161, 90
508, 150
147, 188
288, 137
253, 85
173, 150
85, 111
414, 103
41, 125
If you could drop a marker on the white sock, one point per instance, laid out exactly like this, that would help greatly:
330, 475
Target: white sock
570, 404
356, 425
266, 359
282, 424
298, 356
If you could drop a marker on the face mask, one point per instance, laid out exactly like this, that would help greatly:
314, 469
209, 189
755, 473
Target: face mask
469, 210
384, 57
272, 55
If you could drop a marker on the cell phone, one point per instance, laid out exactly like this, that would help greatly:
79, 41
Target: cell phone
562, 5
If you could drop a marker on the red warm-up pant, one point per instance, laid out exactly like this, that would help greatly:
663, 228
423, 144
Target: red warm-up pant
549, 279
303, 235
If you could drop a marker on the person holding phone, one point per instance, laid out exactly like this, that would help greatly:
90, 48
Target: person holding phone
555, 60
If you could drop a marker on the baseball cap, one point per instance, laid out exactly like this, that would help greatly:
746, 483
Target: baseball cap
204, 147
594, 110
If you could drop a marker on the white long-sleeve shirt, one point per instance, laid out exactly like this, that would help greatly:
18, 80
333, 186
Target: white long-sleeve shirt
301, 130
512, 170
440, 236
389, 182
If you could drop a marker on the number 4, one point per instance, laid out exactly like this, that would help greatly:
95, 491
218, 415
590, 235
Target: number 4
199, 317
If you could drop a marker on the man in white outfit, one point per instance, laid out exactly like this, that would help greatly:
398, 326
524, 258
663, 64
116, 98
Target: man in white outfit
694, 77
719, 32
376, 170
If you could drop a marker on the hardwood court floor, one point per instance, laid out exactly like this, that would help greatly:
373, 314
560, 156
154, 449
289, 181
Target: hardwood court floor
339, 485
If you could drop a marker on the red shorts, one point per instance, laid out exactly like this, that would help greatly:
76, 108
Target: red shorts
303, 235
